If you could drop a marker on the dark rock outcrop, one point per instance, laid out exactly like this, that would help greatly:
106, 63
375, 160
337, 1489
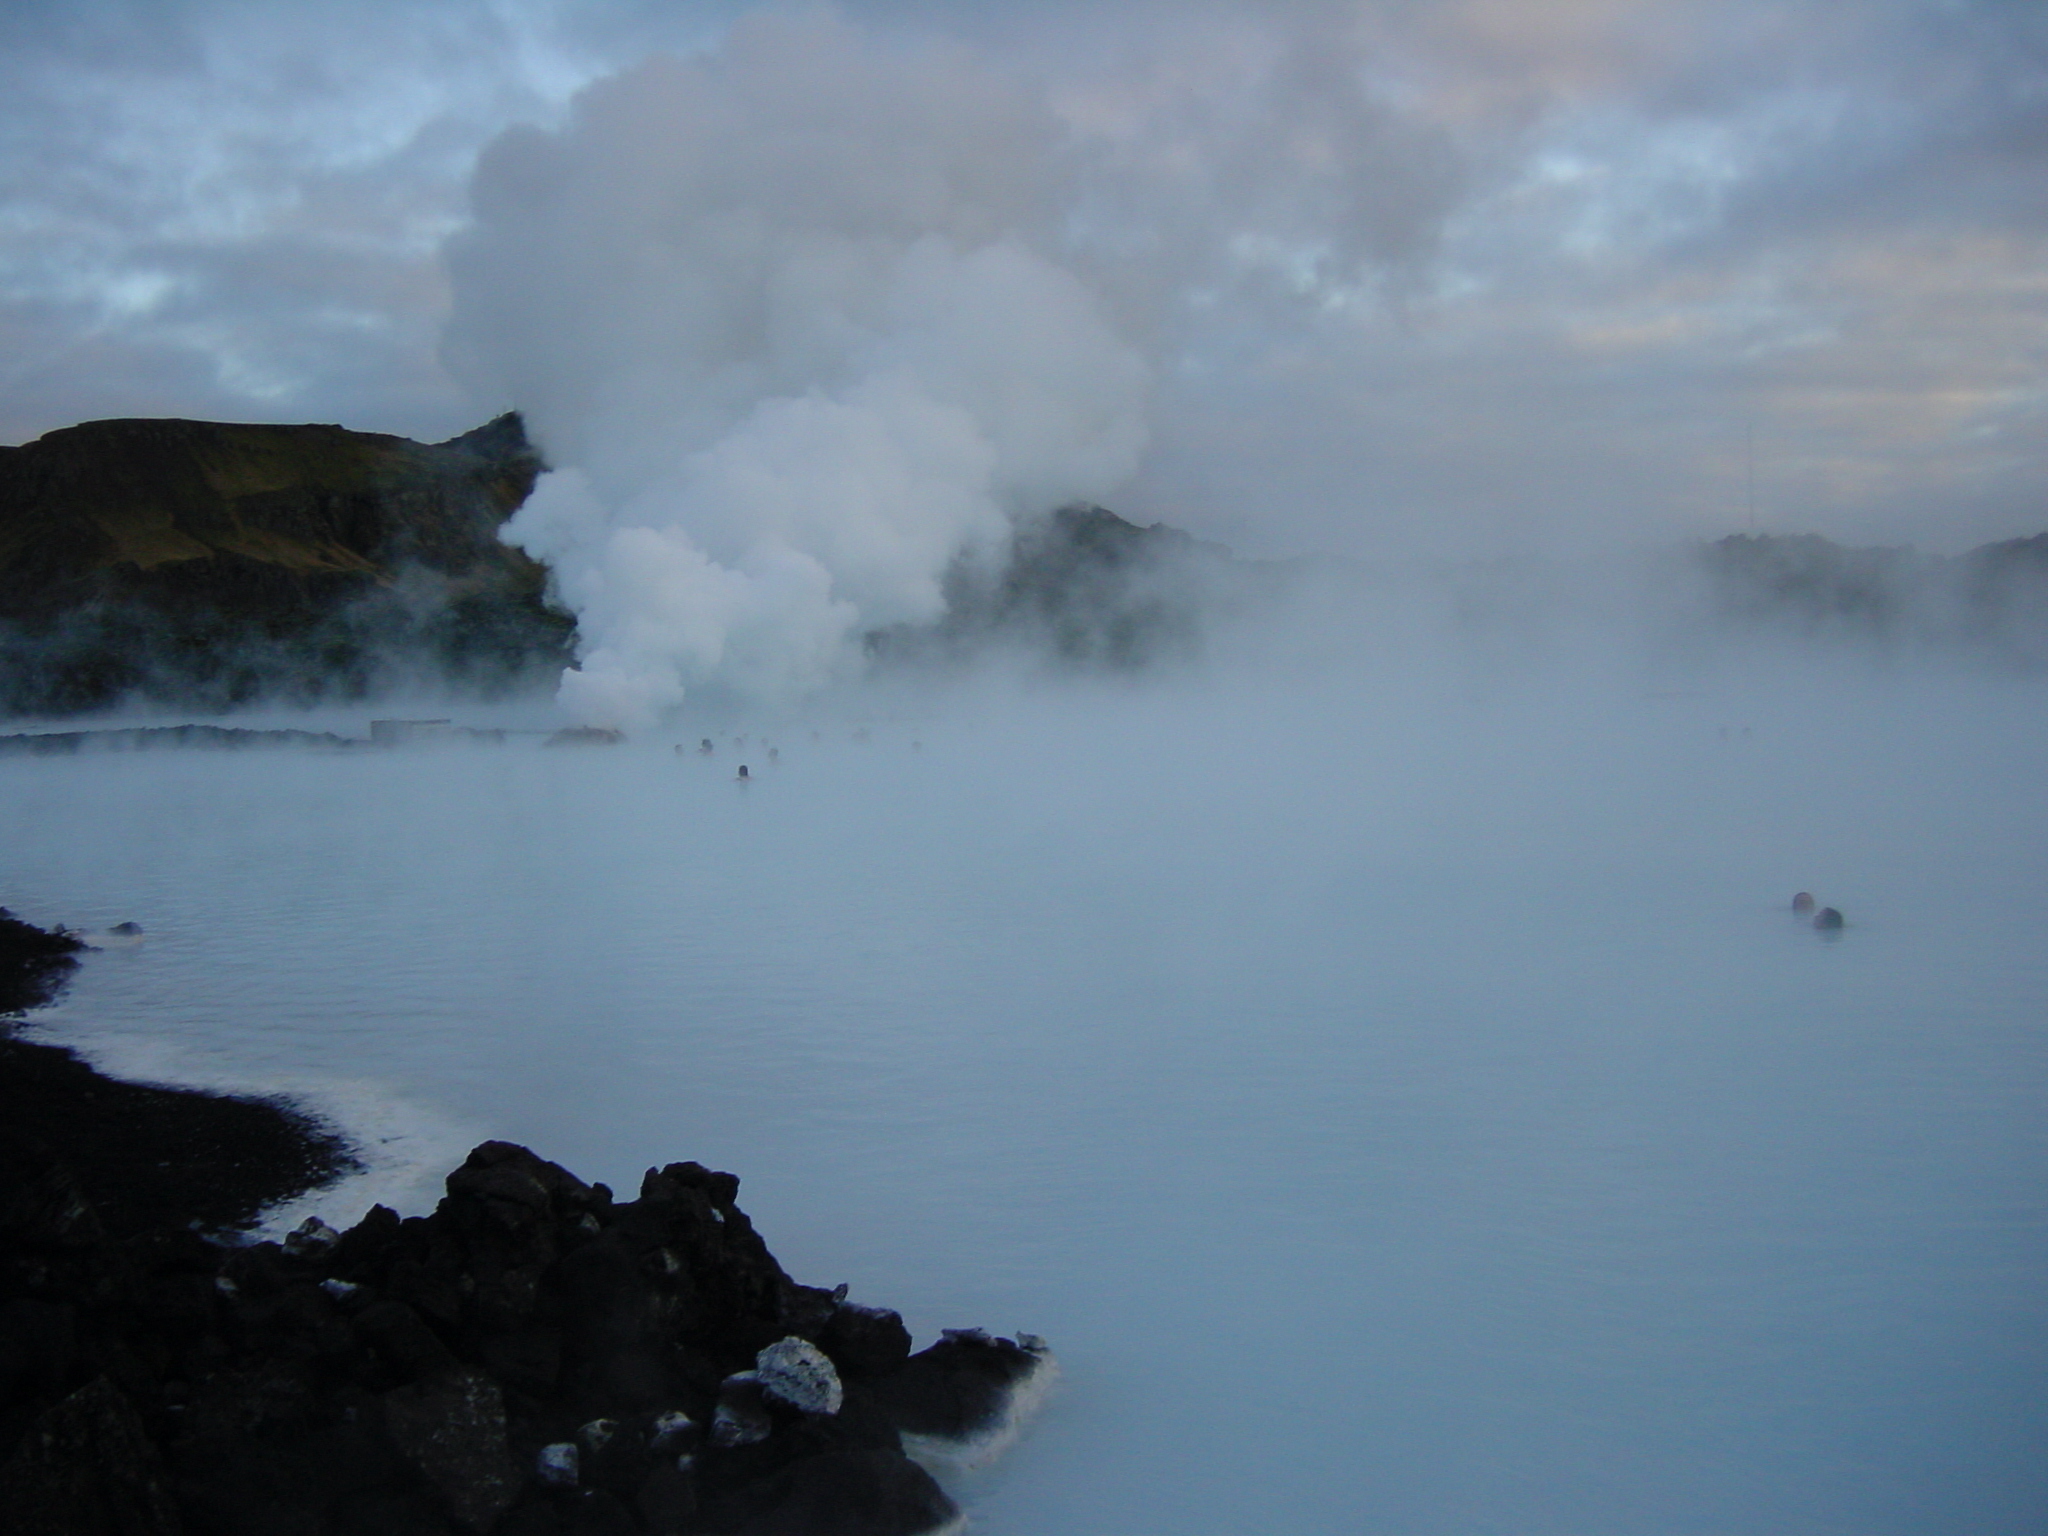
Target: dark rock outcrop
963, 1387
1087, 588
210, 564
34, 965
535, 1357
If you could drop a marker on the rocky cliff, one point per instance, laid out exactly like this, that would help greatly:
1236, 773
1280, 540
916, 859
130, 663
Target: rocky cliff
208, 564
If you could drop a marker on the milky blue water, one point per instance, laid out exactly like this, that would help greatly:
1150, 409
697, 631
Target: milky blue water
1403, 1110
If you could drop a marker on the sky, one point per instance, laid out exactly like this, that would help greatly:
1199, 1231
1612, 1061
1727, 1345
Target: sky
1460, 279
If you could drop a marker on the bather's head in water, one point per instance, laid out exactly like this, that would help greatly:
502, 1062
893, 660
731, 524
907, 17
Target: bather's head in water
743, 771
1803, 903
1827, 920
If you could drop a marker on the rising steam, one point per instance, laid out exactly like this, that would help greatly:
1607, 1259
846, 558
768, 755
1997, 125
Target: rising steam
789, 321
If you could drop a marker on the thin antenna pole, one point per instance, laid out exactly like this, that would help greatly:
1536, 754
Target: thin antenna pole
1749, 437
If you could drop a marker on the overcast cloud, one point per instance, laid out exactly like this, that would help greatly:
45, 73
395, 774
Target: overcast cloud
1444, 278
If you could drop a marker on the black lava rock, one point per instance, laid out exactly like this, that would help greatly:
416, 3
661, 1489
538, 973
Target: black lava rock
534, 1358
34, 965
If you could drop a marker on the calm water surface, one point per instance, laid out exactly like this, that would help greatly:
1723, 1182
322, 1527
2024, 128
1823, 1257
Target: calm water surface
1401, 1114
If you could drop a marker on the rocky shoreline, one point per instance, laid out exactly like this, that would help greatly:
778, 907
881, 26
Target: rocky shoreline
535, 1357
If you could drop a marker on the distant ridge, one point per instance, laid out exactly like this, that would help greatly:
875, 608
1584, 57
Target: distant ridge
209, 565
1993, 598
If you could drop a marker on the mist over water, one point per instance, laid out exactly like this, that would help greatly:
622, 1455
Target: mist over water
1402, 1098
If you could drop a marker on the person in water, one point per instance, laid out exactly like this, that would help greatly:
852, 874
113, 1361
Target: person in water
743, 771
1827, 919
1803, 903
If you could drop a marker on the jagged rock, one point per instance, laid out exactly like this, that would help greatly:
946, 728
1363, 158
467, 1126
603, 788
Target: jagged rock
86, 1467
311, 1238
399, 1339
671, 1433
533, 1358
865, 1340
742, 1416
452, 1429
849, 1492
666, 1500
963, 1387
375, 1366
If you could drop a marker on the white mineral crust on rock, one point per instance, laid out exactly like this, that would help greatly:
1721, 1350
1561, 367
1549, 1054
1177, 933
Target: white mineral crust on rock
311, 1238
669, 1429
798, 1372
560, 1465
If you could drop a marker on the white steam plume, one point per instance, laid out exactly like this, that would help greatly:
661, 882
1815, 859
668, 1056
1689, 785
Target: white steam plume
788, 322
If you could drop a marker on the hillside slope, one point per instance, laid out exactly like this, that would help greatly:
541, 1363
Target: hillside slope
212, 564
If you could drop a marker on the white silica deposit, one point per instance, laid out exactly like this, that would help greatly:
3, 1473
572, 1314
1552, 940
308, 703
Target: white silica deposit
797, 1372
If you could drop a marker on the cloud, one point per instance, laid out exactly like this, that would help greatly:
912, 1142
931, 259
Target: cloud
791, 318
1413, 276
234, 208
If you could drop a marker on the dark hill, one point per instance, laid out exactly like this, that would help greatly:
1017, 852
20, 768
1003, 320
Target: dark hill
209, 564
1085, 587
1992, 599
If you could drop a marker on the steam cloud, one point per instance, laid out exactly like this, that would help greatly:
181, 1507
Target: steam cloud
790, 322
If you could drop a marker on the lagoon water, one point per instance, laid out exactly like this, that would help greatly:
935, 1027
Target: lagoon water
1404, 1109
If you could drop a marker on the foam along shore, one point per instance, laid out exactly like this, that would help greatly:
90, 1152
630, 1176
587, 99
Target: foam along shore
535, 1357
134, 1158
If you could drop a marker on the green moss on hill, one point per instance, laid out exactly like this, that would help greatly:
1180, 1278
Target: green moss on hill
210, 564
